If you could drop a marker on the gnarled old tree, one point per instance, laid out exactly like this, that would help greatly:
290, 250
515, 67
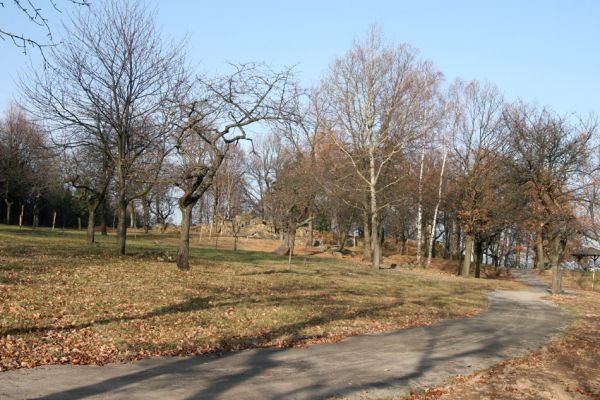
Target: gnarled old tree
549, 153
112, 68
218, 118
375, 95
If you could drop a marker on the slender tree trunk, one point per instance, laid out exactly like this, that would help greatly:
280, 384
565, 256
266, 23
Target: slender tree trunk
291, 241
36, 213
420, 208
557, 248
90, 225
22, 215
183, 251
103, 227
447, 237
132, 214
53, 219
311, 237
375, 244
517, 253
403, 240
8, 206
367, 237
435, 211
527, 251
455, 240
121, 224
539, 248
146, 214
478, 257
103, 216
467, 261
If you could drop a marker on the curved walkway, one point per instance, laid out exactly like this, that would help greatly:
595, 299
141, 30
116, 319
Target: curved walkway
371, 366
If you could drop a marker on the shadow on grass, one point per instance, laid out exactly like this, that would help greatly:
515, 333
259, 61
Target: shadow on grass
331, 309
346, 368
71, 243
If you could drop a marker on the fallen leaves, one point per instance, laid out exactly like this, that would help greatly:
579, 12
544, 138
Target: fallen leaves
61, 302
566, 368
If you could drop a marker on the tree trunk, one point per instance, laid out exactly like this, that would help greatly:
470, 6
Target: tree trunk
478, 257
420, 207
8, 205
403, 241
539, 248
121, 224
557, 248
90, 225
447, 237
311, 236
132, 214
146, 214
367, 237
527, 252
36, 215
291, 241
455, 246
435, 211
53, 219
183, 251
517, 254
103, 212
467, 261
375, 243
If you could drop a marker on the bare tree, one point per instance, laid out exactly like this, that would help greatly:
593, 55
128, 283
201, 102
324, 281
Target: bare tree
36, 13
261, 166
90, 173
219, 116
26, 163
112, 71
375, 94
437, 205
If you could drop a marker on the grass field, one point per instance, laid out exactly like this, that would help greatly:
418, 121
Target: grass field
64, 302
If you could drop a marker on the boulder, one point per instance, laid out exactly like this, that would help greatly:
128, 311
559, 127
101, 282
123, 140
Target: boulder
282, 250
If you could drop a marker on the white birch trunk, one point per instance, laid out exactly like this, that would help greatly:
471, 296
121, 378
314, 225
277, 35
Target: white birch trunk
375, 245
420, 208
437, 207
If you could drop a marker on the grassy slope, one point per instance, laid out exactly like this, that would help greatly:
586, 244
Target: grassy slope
63, 302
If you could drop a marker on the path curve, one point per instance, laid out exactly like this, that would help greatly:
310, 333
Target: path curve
370, 366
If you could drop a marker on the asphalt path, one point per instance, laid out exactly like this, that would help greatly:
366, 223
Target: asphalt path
369, 366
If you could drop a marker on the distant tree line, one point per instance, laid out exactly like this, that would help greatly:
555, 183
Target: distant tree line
121, 130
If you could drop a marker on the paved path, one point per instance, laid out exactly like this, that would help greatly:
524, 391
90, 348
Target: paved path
371, 366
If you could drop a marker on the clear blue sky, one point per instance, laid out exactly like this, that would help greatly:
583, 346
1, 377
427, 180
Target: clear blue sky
542, 51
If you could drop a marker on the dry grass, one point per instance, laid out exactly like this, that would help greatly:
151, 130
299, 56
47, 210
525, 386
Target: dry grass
568, 368
64, 302
576, 280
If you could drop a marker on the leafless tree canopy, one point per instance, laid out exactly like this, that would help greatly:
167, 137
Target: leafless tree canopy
36, 13
383, 151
